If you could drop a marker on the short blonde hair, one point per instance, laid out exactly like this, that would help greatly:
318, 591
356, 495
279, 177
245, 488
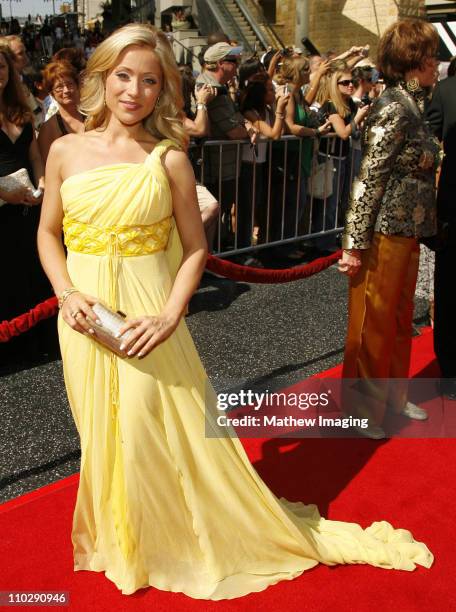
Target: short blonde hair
166, 119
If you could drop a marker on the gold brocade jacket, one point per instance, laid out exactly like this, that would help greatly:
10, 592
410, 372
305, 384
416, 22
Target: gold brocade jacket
394, 193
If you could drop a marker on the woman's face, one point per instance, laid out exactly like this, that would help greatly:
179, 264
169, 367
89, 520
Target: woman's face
65, 91
345, 84
21, 59
429, 72
4, 73
134, 84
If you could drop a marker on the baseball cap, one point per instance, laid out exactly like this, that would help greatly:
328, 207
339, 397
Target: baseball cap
220, 51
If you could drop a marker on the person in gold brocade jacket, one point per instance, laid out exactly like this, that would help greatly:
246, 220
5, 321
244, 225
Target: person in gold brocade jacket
392, 206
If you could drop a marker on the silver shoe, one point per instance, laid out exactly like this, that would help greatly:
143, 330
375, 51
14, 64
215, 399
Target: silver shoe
374, 432
412, 411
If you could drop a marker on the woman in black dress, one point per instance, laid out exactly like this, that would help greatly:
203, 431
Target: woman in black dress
23, 281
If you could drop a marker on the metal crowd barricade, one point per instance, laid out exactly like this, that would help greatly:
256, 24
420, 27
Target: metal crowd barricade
296, 207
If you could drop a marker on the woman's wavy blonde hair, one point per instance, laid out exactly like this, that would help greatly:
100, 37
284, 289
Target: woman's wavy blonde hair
166, 119
340, 103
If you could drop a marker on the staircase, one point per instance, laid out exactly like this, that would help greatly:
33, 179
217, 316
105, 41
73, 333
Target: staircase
241, 20
248, 35
231, 19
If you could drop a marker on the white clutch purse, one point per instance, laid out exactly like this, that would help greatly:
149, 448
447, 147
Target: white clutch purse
13, 181
107, 330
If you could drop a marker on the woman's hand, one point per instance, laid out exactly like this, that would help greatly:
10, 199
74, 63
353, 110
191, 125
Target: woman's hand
350, 262
148, 332
18, 196
282, 99
252, 132
355, 51
323, 68
30, 199
275, 58
205, 94
325, 128
361, 114
75, 310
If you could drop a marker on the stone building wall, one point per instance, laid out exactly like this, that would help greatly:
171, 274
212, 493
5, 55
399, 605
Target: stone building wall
339, 24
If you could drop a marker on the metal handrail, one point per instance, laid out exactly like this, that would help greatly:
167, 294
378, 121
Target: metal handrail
267, 23
223, 16
252, 22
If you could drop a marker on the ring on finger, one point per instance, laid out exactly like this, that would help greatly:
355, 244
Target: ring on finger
75, 313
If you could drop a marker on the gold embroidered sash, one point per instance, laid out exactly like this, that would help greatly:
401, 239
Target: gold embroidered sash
127, 241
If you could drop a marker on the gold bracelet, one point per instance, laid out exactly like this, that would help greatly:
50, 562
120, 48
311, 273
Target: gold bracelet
65, 294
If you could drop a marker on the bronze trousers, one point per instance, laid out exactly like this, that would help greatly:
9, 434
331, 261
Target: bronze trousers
379, 335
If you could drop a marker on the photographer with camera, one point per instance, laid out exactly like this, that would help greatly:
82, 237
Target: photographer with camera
226, 123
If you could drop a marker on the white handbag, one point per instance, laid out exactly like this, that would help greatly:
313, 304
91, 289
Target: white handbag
321, 180
12, 182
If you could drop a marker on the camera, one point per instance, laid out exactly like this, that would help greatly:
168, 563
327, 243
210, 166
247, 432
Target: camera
366, 100
221, 90
322, 116
285, 52
309, 46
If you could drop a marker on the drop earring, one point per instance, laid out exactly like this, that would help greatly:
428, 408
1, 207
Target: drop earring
413, 85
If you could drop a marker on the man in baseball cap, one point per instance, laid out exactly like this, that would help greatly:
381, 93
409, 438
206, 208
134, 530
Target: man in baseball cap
226, 123
222, 51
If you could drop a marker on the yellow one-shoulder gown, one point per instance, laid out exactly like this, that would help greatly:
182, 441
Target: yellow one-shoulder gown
159, 503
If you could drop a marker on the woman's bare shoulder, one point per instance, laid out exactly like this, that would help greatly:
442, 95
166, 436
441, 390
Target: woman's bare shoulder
69, 149
175, 160
69, 144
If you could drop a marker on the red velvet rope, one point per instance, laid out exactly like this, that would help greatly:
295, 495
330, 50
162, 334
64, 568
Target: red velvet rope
246, 274
24, 322
228, 269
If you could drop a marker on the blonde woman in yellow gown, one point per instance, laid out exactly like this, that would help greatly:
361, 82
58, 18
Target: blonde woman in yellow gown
159, 503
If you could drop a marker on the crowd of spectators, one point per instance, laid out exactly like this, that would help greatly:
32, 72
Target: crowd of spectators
42, 38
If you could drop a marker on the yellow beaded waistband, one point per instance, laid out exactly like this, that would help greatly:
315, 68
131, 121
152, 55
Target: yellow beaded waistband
126, 241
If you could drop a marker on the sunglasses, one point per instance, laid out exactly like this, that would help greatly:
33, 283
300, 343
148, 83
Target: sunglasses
230, 60
345, 83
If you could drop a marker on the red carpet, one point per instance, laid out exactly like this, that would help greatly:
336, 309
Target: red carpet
409, 482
